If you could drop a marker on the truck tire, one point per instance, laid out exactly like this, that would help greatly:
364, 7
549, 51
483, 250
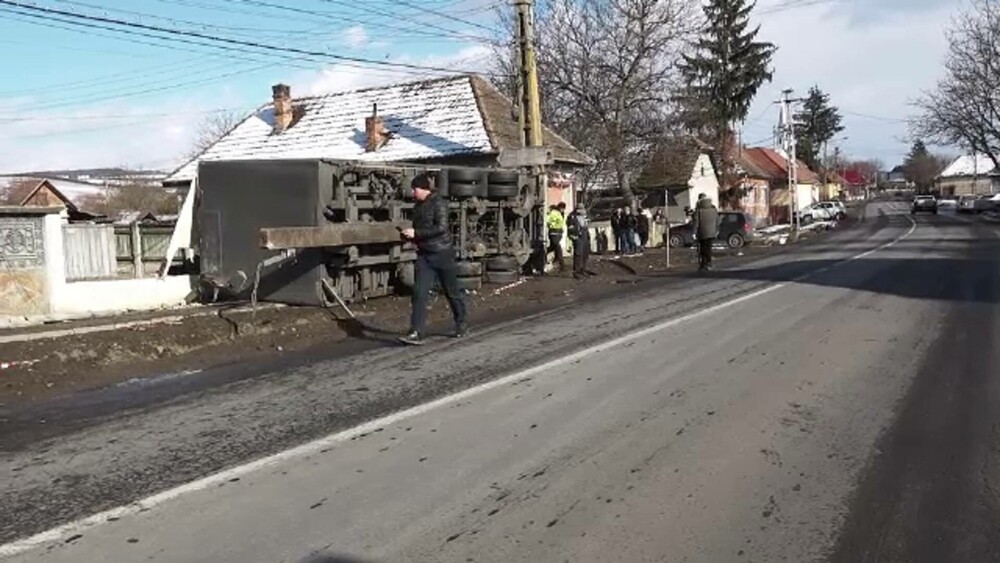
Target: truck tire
464, 176
503, 190
470, 269
463, 190
504, 177
470, 283
502, 277
502, 264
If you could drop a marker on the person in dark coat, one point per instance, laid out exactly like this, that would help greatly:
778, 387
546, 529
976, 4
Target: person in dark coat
643, 230
431, 233
630, 224
578, 229
616, 229
706, 229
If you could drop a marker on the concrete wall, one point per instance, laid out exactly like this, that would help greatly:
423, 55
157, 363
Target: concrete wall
33, 284
85, 298
28, 238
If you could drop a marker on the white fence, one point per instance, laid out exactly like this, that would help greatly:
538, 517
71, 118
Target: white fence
89, 252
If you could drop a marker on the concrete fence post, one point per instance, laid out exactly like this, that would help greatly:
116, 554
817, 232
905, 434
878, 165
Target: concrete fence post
136, 250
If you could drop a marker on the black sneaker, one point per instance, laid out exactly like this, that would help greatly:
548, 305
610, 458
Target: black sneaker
412, 338
461, 331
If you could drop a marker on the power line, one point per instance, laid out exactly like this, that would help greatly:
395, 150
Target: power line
219, 39
394, 16
444, 15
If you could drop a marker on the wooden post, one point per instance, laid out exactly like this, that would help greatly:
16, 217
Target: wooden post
136, 238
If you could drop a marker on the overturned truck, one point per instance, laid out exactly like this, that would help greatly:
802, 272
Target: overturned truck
310, 231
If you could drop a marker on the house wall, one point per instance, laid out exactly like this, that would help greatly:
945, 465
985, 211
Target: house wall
969, 185
704, 180
756, 201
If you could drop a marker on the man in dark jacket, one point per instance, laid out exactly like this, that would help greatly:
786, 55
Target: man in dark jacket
630, 224
616, 230
578, 229
706, 228
435, 259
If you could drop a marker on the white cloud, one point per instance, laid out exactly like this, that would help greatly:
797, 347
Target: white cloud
873, 66
355, 37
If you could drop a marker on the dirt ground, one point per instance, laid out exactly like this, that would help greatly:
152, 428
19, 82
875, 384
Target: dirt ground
194, 339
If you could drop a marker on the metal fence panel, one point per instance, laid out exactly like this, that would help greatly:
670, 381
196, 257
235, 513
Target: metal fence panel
90, 252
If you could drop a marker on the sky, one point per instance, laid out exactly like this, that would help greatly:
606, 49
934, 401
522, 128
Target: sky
90, 97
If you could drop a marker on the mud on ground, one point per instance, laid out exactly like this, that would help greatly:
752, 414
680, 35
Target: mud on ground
198, 338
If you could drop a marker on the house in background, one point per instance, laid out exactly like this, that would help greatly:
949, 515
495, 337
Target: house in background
460, 120
969, 175
77, 198
896, 179
683, 169
771, 165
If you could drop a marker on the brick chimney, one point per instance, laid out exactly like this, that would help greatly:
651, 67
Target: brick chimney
282, 107
376, 135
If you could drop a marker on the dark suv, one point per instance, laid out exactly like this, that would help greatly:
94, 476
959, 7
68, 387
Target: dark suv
924, 203
735, 229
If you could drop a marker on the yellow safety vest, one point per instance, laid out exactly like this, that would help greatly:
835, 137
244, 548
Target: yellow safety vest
556, 221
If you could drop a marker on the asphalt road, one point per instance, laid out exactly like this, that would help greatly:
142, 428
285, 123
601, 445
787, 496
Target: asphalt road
838, 402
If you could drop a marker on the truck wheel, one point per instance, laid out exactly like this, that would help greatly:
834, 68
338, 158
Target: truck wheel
504, 177
502, 277
463, 190
470, 269
502, 264
676, 241
470, 283
735, 241
464, 176
503, 190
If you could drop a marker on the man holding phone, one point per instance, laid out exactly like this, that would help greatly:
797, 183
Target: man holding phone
431, 233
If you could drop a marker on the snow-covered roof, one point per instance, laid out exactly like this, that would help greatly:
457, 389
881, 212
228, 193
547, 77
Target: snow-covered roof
969, 165
431, 119
77, 192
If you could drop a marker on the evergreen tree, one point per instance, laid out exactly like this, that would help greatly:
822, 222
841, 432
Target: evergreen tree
727, 68
816, 124
721, 79
921, 167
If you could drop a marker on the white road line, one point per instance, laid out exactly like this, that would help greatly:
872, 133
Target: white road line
56, 535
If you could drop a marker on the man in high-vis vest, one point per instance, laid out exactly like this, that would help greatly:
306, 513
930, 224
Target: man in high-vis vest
555, 221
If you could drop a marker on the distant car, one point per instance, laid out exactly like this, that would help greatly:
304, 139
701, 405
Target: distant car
817, 212
925, 203
947, 202
735, 230
966, 204
835, 208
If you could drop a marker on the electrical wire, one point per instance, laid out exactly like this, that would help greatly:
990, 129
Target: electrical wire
175, 33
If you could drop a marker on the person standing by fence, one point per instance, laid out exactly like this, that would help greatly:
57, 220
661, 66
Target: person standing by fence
579, 233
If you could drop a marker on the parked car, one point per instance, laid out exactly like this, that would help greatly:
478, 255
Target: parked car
816, 212
924, 203
947, 202
987, 203
835, 208
735, 230
966, 204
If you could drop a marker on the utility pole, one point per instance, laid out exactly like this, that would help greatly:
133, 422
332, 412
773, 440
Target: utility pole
787, 126
531, 108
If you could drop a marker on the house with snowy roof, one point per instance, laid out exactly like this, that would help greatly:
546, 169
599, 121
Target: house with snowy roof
79, 199
969, 175
460, 120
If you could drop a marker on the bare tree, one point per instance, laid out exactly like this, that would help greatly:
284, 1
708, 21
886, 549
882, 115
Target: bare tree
607, 72
15, 192
133, 197
964, 108
212, 128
